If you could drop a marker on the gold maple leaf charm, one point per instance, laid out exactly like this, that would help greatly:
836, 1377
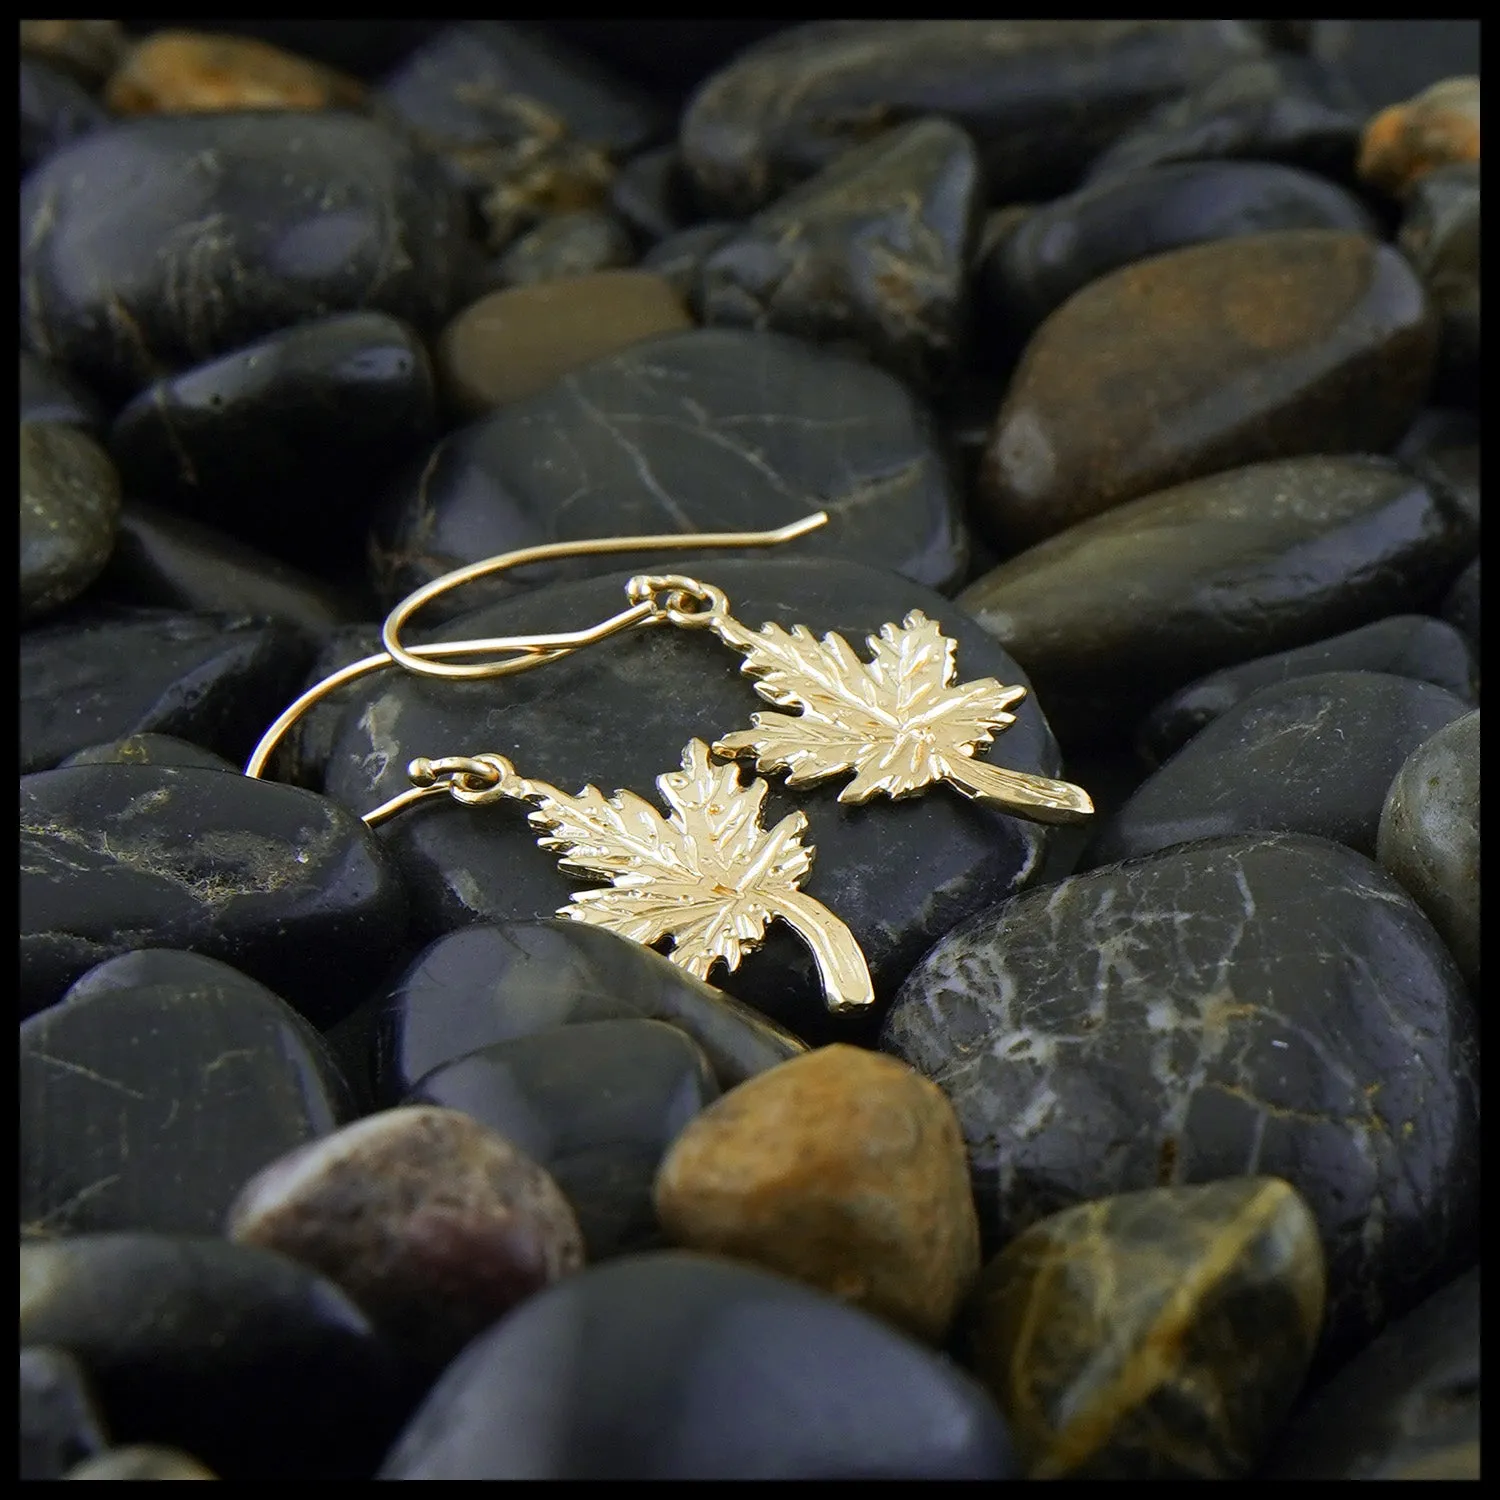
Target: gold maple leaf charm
707, 876
897, 721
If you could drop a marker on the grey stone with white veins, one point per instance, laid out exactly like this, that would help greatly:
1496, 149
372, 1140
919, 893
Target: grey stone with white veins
1271, 1004
710, 429
1429, 835
618, 714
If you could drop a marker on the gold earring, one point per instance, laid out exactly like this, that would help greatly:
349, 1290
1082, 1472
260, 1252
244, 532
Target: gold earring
898, 721
708, 876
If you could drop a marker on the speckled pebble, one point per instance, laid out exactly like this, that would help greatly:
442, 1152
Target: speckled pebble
431, 1222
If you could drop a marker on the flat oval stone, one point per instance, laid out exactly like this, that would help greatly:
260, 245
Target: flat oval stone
214, 679
146, 966
274, 880
844, 1170
60, 1423
55, 111
141, 1461
1270, 1005
70, 506
1038, 97
708, 430
432, 1223
1312, 755
1440, 236
1202, 359
1438, 127
873, 251
567, 245
1159, 1334
1415, 646
256, 1366
515, 343
1062, 246
164, 241
1461, 606
149, 750
485, 95
1406, 1407
490, 984
1429, 835
180, 72
597, 1104
146, 1108
285, 443
1119, 611
618, 716
684, 1366
163, 560
1286, 108
48, 395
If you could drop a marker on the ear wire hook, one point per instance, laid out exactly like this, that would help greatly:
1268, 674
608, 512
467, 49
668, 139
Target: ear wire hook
529, 650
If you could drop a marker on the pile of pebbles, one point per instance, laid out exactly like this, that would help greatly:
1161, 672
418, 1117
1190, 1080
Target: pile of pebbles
1140, 355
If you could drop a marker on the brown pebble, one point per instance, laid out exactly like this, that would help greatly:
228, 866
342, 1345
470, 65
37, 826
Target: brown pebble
514, 343
1155, 1334
431, 1222
1205, 359
175, 72
141, 1461
1437, 128
844, 1169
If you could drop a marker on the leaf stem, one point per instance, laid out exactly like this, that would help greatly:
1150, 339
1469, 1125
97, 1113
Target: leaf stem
841, 966
1037, 798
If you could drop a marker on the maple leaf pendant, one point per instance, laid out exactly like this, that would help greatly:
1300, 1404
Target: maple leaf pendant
707, 876
897, 721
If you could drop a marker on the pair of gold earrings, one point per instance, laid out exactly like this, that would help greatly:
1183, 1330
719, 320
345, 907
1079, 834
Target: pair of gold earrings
707, 876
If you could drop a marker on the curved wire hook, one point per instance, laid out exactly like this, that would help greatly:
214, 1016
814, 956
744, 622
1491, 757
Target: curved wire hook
417, 661
528, 651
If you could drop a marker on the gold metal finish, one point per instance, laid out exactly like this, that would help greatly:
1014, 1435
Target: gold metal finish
707, 876
414, 660
530, 650
897, 721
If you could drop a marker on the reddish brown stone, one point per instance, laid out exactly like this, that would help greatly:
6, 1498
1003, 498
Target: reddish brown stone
173, 72
844, 1169
432, 1223
1437, 128
1261, 347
